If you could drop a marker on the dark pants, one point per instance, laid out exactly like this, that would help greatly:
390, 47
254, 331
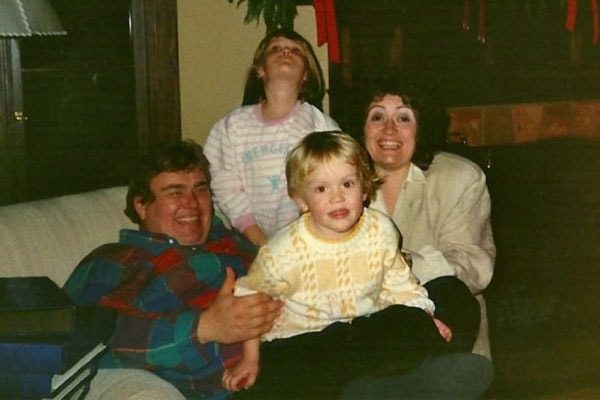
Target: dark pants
319, 365
456, 376
456, 306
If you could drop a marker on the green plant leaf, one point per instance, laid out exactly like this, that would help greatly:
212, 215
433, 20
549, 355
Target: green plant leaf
288, 12
270, 14
276, 13
255, 7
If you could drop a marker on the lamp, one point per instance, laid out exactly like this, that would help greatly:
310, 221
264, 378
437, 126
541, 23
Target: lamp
20, 18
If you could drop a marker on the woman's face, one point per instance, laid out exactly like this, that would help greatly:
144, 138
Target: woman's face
390, 133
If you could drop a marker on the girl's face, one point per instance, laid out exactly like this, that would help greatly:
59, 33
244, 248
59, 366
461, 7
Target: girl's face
283, 57
333, 195
390, 133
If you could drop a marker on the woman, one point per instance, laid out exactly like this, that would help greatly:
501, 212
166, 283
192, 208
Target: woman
438, 200
247, 147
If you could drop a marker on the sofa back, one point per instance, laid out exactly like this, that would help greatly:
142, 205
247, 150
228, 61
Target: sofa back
49, 237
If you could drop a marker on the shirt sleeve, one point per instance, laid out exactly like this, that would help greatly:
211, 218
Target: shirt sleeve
464, 247
330, 124
226, 174
400, 286
263, 276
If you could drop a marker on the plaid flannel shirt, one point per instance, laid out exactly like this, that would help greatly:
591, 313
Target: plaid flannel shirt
159, 289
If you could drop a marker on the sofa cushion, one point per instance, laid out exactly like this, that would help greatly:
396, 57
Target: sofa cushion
49, 237
131, 384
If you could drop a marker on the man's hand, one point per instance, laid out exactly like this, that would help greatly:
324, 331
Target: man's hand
231, 319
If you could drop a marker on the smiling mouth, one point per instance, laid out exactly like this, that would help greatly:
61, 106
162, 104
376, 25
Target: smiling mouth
389, 145
188, 220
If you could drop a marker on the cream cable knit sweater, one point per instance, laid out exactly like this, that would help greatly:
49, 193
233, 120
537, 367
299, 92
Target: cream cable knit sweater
323, 281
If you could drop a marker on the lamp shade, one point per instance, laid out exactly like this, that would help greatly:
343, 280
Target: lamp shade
28, 18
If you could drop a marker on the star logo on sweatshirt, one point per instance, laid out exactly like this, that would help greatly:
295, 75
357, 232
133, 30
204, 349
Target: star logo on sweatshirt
275, 182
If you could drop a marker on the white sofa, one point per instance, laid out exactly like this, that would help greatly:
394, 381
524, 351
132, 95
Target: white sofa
49, 237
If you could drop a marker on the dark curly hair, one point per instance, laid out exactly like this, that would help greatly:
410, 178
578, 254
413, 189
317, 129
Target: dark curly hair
425, 101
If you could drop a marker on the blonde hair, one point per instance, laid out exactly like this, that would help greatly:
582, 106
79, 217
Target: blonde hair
319, 147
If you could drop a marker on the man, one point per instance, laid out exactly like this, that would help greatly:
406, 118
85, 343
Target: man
171, 281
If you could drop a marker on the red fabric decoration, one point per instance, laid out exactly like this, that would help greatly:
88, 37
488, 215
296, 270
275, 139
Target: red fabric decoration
571, 15
327, 28
321, 21
572, 18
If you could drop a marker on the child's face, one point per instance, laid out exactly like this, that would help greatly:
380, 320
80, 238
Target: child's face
334, 196
283, 56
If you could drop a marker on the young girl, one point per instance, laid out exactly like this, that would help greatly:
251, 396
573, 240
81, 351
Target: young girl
337, 262
247, 147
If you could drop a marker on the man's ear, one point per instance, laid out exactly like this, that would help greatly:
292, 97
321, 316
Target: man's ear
140, 207
300, 203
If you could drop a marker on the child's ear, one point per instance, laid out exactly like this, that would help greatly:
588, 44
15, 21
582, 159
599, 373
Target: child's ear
300, 203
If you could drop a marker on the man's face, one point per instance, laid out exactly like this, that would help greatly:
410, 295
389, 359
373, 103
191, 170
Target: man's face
182, 207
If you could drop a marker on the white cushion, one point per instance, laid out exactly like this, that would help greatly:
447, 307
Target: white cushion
131, 384
49, 237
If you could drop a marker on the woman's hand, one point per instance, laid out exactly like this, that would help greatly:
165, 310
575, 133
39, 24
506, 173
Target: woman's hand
443, 329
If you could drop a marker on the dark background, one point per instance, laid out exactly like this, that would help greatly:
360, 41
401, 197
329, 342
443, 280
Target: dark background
543, 301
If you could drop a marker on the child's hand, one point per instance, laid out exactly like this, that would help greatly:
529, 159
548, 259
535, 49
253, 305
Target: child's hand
241, 376
443, 329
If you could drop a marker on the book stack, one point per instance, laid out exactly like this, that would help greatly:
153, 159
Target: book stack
49, 348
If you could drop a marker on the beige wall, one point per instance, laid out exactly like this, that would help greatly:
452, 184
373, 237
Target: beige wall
215, 51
